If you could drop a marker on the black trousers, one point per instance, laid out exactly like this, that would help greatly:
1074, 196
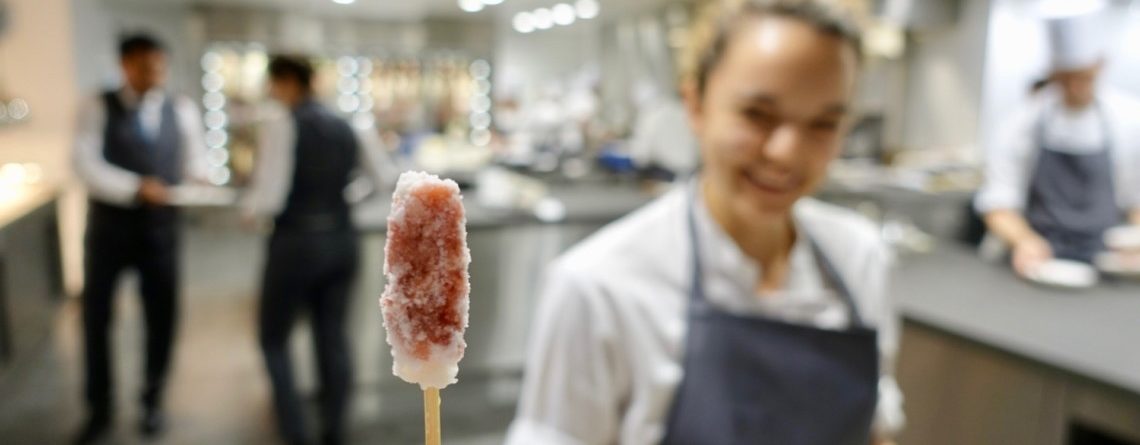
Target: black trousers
148, 241
312, 272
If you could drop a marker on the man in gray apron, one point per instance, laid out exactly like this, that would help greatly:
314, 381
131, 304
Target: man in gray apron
1072, 198
1062, 170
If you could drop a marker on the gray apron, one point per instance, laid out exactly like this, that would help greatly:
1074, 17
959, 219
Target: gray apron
756, 380
1072, 197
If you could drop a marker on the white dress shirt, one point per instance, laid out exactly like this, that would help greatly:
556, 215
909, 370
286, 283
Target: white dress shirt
273, 171
112, 184
1012, 158
606, 355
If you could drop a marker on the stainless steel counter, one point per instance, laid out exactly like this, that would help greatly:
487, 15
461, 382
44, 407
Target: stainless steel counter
989, 358
30, 269
1092, 333
17, 202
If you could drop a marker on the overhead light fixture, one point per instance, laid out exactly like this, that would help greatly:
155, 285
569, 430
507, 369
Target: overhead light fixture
587, 9
563, 14
211, 61
213, 81
492, 2
1062, 9
219, 175
18, 109
344, 2
479, 69
524, 22
216, 138
543, 18
471, 5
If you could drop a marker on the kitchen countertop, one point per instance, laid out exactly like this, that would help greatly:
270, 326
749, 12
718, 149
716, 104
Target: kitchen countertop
16, 202
1090, 333
587, 202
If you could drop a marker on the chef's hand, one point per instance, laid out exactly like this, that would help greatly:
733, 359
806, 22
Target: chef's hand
1029, 253
153, 192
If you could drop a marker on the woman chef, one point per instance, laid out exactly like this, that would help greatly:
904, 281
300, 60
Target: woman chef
1066, 166
732, 310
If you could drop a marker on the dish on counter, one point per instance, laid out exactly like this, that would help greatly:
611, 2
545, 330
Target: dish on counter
1119, 263
1123, 238
1064, 274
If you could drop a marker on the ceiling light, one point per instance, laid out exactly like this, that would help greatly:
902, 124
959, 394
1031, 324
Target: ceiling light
587, 9
492, 2
213, 100
212, 82
524, 22
219, 175
18, 109
216, 138
471, 5
543, 18
344, 2
480, 69
480, 138
211, 61
1062, 9
563, 14
347, 66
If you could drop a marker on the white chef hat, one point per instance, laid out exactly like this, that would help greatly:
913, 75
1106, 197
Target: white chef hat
1077, 35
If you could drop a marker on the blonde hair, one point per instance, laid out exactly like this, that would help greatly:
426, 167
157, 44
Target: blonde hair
720, 20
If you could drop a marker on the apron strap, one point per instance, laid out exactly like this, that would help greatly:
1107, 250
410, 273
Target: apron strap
835, 280
1106, 129
830, 274
698, 288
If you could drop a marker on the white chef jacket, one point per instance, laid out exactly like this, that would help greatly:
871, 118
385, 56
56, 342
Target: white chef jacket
273, 172
606, 354
112, 184
1012, 157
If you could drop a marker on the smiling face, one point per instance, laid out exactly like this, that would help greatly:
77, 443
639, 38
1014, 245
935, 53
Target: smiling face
772, 115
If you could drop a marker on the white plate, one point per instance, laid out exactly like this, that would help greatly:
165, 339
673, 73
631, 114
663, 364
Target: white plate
1123, 238
1117, 263
1065, 274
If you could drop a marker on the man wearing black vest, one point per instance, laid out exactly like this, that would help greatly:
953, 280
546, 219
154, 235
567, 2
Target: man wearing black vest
132, 145
305, 164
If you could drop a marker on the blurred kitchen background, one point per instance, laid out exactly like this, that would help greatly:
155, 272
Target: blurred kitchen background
531, 105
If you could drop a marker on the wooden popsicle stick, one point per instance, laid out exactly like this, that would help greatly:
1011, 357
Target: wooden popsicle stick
431, 416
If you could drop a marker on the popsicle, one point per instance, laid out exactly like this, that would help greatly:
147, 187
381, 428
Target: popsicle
425, 302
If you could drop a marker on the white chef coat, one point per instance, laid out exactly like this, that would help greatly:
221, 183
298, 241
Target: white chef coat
608, 341
273, 172
663, 137
1012, 158
112, 184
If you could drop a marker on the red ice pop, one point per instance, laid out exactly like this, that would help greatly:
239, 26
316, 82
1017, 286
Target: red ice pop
426, 299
